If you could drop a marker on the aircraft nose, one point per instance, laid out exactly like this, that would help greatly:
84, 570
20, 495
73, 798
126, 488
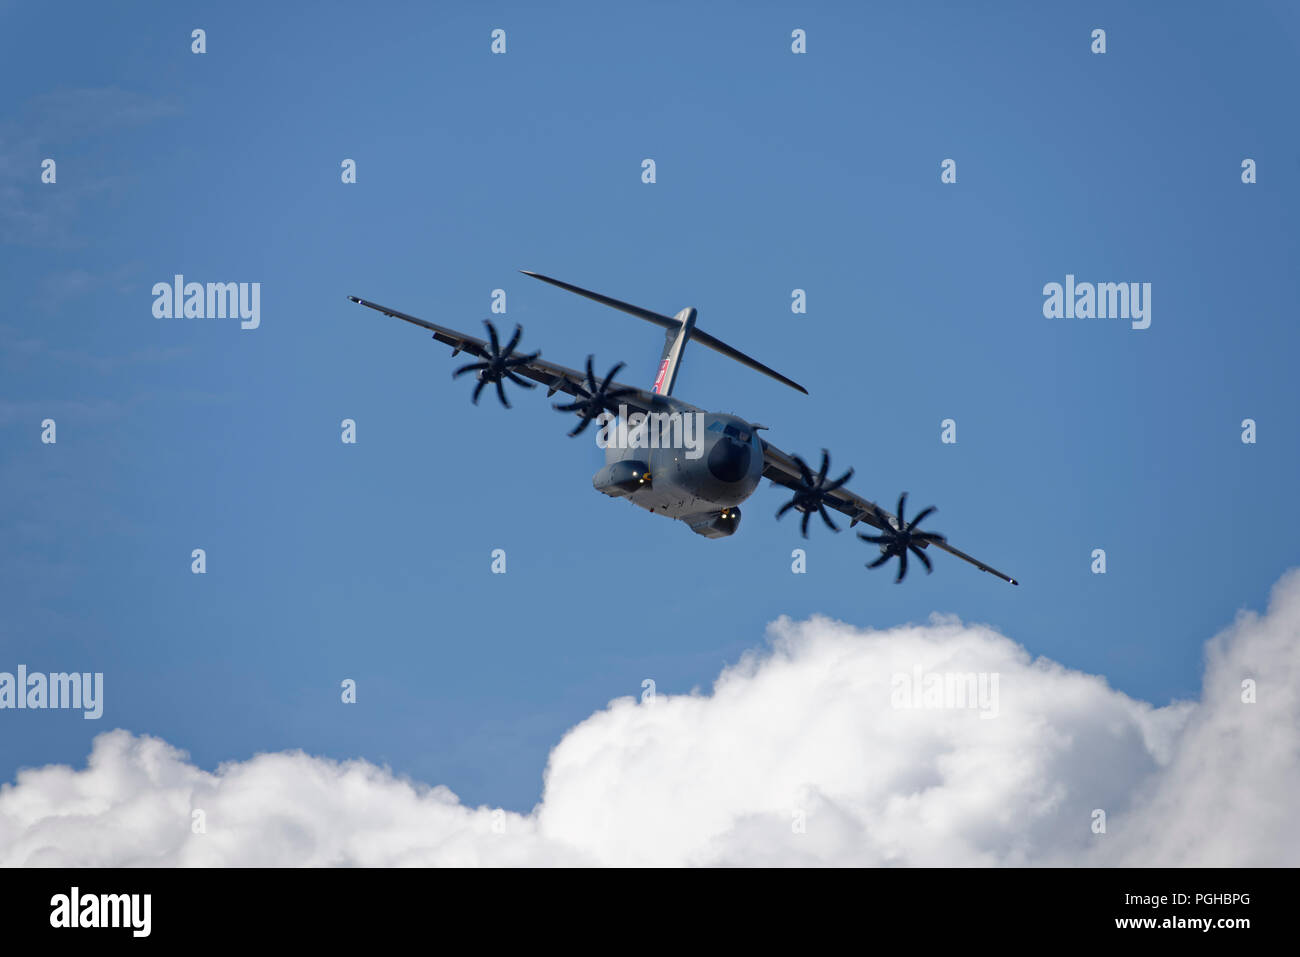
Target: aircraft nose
729, 460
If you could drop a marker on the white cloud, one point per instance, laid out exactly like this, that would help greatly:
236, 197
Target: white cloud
804, 727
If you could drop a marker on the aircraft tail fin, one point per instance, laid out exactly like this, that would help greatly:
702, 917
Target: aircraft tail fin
681, 329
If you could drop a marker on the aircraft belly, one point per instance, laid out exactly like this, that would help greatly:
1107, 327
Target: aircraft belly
688, 486
666, 499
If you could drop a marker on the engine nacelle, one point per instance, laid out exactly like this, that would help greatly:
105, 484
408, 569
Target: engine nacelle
719, 524
618, 479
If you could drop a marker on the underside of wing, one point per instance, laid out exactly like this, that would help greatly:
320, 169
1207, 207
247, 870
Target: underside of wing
512, 363
814, 493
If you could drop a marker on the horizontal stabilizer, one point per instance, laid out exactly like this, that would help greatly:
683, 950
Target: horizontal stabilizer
668, 322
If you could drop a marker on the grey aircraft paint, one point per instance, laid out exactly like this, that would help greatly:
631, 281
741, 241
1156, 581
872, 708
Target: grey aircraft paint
705, 492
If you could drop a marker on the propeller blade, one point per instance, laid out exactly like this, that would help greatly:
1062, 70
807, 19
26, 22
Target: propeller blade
898, 537
804, 472
925, 559
604, 386
811, 491
514, 340
472, 367
516, 361
821, 509
839, 481
919, 518
582, 426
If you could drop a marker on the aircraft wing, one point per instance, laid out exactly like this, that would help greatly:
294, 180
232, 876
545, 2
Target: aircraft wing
782, 470
556, 378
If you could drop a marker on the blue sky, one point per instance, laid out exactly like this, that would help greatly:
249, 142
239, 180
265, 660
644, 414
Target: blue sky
775, 172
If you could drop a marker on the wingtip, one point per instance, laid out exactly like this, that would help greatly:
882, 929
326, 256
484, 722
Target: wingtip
353, 299
1013, 581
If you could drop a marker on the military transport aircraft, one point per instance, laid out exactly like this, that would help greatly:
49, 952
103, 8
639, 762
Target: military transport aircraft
731, 459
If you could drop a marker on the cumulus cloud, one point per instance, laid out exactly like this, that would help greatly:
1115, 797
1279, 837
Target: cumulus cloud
806, 752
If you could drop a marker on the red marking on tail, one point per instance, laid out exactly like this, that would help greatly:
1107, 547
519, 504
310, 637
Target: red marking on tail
659, 379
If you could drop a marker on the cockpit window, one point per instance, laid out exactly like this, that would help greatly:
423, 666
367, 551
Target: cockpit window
736, 432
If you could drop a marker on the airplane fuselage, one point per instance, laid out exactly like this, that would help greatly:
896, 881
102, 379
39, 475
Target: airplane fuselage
705, 469
700, 483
